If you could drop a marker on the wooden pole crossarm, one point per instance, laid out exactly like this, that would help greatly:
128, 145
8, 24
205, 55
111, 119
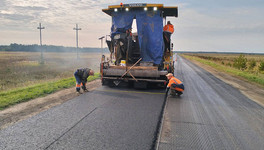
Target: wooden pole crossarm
131, 68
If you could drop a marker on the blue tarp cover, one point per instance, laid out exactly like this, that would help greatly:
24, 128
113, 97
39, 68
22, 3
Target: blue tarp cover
149, 28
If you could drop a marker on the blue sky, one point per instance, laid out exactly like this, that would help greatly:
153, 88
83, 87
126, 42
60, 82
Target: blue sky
206, 25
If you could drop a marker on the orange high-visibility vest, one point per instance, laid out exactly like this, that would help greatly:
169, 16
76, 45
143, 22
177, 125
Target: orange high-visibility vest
168, 28
175, 81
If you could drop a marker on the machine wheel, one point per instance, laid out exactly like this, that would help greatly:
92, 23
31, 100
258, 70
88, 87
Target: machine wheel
140, 85
108, 82
104, 81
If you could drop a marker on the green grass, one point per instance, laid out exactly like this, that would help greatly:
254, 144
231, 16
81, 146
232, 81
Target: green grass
246, 75
16, 96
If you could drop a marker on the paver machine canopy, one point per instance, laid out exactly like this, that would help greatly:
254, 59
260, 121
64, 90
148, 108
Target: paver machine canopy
147, 45
149, 20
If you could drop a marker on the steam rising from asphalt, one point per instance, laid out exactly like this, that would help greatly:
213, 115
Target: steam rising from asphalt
69, 61
20, 69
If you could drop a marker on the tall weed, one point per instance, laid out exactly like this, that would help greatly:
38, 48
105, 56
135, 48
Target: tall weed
240, 62
261, 66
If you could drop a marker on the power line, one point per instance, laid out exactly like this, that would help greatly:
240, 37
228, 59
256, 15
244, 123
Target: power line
101, 38
40, 41
77, 29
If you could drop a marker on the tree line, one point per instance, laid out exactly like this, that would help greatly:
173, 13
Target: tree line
46, 48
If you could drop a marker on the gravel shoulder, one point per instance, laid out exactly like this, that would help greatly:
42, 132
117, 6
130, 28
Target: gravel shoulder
30, 108
251, 90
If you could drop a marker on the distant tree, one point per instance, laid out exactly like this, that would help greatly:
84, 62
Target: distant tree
47, 48
240, 62
252, 64
261, 66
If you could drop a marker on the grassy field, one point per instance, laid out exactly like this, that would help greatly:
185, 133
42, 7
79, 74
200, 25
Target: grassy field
229, 60
22, 69
24, 78
249, 67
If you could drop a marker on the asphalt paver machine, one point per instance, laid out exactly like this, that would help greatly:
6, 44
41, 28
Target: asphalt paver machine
137, 57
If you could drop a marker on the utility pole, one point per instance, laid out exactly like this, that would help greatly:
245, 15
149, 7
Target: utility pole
40, 40
77, 38
101, 38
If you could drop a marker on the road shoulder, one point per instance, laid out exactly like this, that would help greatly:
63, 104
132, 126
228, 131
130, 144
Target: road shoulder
30, 108
251, 90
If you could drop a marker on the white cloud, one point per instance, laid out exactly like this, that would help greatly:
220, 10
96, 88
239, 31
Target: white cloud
225, 29
58, 17
4, 12
201, 24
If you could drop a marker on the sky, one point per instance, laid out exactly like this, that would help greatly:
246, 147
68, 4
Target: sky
205, 25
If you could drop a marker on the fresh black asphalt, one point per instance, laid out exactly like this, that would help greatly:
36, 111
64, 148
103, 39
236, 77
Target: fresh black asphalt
107, 118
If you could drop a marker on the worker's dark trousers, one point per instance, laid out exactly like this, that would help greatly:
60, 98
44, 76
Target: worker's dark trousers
167, 39
79, 82
181, 86
174, 91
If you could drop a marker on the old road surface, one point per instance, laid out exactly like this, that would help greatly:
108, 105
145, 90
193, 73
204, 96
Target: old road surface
209, 115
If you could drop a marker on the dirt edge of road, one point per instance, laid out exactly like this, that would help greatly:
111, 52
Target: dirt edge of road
30, 108
251, 90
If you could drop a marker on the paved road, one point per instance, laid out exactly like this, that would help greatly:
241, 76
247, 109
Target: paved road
211, 115
102, 119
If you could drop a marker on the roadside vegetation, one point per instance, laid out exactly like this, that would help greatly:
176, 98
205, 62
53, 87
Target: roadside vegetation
250, 67
14, 47
27, 93
23, 77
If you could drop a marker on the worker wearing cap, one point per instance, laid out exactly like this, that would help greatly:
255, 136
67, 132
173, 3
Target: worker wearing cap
168, 29
81, 76
175, 85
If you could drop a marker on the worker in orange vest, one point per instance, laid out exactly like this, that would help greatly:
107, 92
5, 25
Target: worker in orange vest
81, 76
167, 31
175, 85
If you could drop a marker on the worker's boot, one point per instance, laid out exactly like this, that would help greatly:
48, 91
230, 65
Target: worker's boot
179, 93
172, 93
84, 89
78, 91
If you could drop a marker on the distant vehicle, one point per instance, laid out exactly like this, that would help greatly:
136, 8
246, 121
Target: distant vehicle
138, 57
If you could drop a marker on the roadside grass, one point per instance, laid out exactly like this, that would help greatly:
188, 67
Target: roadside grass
15, 96
22, 69
259, 79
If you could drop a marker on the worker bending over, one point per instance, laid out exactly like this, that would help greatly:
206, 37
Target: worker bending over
168, 29
81, 76
175, 85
